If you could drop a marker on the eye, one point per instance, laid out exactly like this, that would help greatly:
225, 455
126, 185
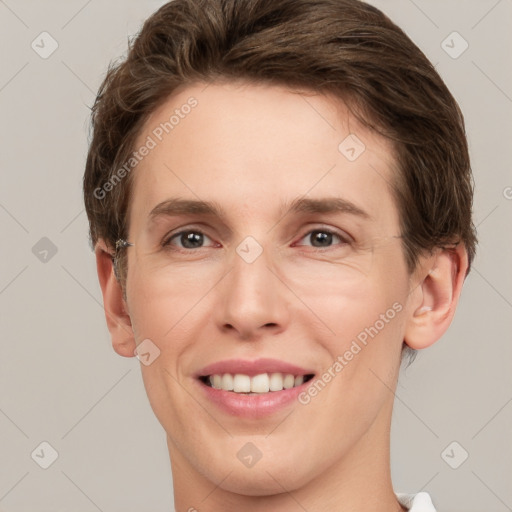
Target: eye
190, 239
323, 237
195, 239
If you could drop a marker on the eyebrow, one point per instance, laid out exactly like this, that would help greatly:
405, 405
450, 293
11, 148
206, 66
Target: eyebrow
178, 206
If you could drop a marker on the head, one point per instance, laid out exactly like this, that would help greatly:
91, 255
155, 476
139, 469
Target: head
249, 108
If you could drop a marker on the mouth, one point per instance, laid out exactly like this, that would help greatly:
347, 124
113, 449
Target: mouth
260, 384
253, 389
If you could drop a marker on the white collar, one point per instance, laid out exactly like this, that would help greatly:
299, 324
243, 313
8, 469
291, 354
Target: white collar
420, 502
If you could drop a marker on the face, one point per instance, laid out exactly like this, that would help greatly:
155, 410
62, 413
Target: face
266, 257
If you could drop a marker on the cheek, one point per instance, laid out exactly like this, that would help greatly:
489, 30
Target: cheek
348, 302
167, 311
362, 322
171, 308
163, 302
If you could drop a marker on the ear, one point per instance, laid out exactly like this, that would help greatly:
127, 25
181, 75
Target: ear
118, 319
436, 297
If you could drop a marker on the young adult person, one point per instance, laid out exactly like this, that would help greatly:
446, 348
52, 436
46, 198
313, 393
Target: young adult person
279, 195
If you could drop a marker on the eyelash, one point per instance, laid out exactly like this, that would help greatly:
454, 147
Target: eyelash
344, 239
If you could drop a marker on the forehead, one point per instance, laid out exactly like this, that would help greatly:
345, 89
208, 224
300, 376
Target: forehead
253, 148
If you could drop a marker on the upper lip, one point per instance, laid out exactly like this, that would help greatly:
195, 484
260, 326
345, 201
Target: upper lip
251, 368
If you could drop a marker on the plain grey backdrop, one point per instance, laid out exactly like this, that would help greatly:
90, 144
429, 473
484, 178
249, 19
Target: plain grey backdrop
61, 383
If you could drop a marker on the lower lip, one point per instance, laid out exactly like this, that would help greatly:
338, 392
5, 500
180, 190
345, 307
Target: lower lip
252, 406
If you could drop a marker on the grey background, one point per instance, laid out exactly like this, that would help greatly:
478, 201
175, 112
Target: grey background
62, 383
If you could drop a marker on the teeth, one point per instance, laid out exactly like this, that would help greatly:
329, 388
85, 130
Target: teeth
227, 382
241, 383
288, 381
217, 382
276, 381
262, 383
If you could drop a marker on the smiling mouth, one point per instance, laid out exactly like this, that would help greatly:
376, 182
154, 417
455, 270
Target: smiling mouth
255, 385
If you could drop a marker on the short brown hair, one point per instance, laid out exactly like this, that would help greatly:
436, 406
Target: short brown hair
343, 47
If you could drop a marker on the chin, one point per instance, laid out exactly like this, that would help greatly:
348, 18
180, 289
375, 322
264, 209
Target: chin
272, 474
267, 480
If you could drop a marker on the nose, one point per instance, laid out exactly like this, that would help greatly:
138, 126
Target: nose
253, 301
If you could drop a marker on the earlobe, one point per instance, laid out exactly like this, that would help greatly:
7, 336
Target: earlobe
436, 297
117, 317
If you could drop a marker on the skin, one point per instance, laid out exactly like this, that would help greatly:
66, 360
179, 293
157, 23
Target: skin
250, 148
